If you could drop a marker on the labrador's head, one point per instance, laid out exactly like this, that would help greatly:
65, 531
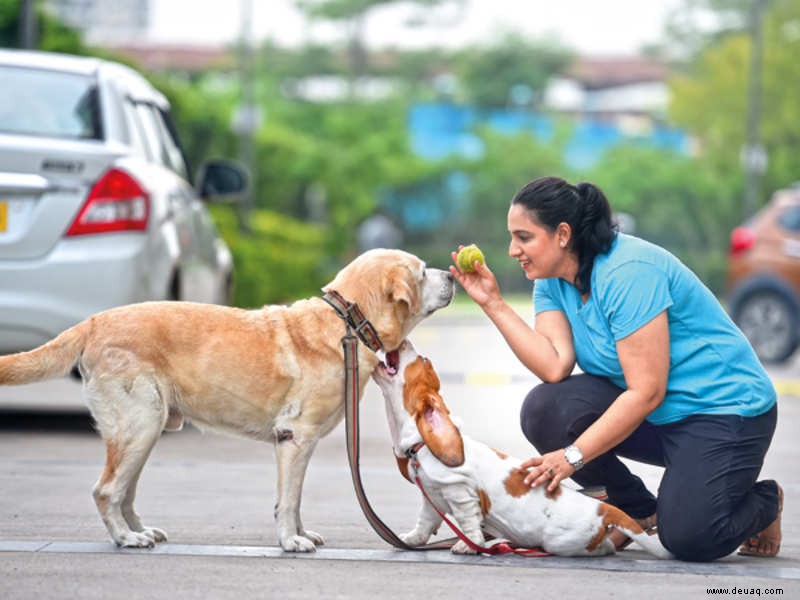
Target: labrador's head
395, 290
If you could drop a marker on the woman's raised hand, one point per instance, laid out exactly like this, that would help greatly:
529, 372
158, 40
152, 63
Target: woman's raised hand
481, 284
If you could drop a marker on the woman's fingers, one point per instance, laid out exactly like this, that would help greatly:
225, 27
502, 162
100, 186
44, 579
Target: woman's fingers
531, 462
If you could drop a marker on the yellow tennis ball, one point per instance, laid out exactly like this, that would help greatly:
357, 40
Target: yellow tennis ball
467, 256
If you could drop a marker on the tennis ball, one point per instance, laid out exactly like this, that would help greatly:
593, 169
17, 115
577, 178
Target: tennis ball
467, 256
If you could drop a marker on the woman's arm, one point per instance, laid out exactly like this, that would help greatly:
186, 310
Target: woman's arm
644, 357
547, 350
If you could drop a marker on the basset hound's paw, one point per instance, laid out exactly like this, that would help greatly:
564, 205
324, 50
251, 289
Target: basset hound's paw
461, 547
414, 537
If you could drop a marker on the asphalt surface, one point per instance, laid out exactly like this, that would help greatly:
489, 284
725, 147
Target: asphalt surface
214, 496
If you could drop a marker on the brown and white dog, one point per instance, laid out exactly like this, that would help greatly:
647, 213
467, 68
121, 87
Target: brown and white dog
274, 374
483, 489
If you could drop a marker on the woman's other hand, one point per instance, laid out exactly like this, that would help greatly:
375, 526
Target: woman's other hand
481, 284
549, 469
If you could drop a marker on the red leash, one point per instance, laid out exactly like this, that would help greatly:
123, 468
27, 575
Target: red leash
496, 549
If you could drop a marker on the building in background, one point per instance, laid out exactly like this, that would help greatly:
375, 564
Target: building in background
105, 22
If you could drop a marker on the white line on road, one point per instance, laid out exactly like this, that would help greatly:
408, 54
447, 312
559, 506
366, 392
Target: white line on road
730, 567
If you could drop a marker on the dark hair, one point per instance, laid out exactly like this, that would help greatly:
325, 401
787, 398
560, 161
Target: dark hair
583, 207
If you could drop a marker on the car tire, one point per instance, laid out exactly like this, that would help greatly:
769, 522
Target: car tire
769, 321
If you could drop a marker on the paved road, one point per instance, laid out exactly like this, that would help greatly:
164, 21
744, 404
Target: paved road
214, 495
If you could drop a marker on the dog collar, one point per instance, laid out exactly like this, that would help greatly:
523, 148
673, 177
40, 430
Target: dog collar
355, 320
411, 451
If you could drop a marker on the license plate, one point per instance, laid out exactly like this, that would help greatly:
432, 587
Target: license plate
3, 215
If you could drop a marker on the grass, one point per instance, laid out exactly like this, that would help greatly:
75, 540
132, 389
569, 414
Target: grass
463, 305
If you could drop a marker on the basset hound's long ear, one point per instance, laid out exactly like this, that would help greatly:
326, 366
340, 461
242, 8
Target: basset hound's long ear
438, 432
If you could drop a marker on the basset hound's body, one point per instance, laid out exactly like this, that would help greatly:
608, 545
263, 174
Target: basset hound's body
483, 489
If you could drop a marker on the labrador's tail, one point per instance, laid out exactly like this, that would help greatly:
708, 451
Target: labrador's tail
54, 359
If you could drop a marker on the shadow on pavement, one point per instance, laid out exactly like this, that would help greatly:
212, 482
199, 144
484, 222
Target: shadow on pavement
45, 421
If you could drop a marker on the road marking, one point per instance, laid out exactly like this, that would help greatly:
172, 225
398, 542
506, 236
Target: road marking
732, 566
784, 387
787, 387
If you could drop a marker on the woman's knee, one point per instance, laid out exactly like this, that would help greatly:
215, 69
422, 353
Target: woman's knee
540, 417
691, 541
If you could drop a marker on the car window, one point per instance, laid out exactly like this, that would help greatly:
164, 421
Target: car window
162, 146
172, 147
134, 128
790, 218
49, 103
151, 133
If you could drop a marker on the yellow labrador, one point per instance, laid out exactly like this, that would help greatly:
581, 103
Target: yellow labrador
273, 374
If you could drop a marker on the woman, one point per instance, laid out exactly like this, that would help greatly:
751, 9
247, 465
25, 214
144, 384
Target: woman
668, 379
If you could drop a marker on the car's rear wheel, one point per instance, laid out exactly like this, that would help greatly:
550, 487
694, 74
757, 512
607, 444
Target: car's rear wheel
769, 321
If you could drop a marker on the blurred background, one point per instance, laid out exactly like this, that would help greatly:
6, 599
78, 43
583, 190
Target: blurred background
412, 123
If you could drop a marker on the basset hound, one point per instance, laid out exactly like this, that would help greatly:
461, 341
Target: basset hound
482, 488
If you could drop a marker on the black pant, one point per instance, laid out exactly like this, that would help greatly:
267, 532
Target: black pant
708, 501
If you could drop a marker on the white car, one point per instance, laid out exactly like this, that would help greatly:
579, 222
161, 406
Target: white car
96, 207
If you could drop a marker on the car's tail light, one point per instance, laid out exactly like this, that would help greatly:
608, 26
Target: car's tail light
742, 239
117, 202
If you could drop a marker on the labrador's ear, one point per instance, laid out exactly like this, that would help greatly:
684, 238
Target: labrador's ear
438, 432
400, 286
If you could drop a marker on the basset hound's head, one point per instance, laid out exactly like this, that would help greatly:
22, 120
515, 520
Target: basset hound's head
408, 378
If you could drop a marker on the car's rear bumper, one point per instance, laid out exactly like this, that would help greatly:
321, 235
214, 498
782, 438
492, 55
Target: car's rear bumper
78, 278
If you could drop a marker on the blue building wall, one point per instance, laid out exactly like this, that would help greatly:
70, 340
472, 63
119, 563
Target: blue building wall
441, 129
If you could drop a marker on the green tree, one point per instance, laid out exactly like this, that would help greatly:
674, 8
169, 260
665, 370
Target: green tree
53, 35
353, 14
490, 73
710, 99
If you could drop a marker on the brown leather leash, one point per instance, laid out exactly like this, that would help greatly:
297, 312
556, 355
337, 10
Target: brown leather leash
354, 320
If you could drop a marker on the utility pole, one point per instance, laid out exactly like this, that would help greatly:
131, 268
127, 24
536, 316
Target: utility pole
248, 117
754, 156
27, 25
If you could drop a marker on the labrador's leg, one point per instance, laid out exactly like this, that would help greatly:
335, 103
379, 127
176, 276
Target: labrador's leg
293, 451
130, 416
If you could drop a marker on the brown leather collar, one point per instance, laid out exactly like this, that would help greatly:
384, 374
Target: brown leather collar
355, 320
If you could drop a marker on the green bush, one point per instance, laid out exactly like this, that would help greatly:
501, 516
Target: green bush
280, 260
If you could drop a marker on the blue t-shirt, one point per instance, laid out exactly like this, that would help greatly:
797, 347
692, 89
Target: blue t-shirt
713, 368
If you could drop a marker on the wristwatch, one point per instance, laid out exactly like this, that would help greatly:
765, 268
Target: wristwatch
574, 457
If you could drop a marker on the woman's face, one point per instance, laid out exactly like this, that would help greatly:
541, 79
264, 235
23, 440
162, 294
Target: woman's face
538, 250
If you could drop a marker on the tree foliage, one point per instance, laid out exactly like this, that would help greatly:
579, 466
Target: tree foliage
52, 34
710, 99
490, 73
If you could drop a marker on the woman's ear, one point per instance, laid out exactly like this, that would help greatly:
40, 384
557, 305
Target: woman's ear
438, 432
563, 234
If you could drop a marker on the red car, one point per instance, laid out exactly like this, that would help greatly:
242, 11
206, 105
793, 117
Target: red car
764, 277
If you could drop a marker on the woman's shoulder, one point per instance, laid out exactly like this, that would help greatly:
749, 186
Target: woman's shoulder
627, 248
634, 261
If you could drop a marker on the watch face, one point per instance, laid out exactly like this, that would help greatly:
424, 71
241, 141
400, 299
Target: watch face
574, 456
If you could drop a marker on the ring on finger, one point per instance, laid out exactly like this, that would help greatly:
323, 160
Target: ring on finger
550, 472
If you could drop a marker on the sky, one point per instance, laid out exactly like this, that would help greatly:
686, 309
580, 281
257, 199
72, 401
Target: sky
600, 27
